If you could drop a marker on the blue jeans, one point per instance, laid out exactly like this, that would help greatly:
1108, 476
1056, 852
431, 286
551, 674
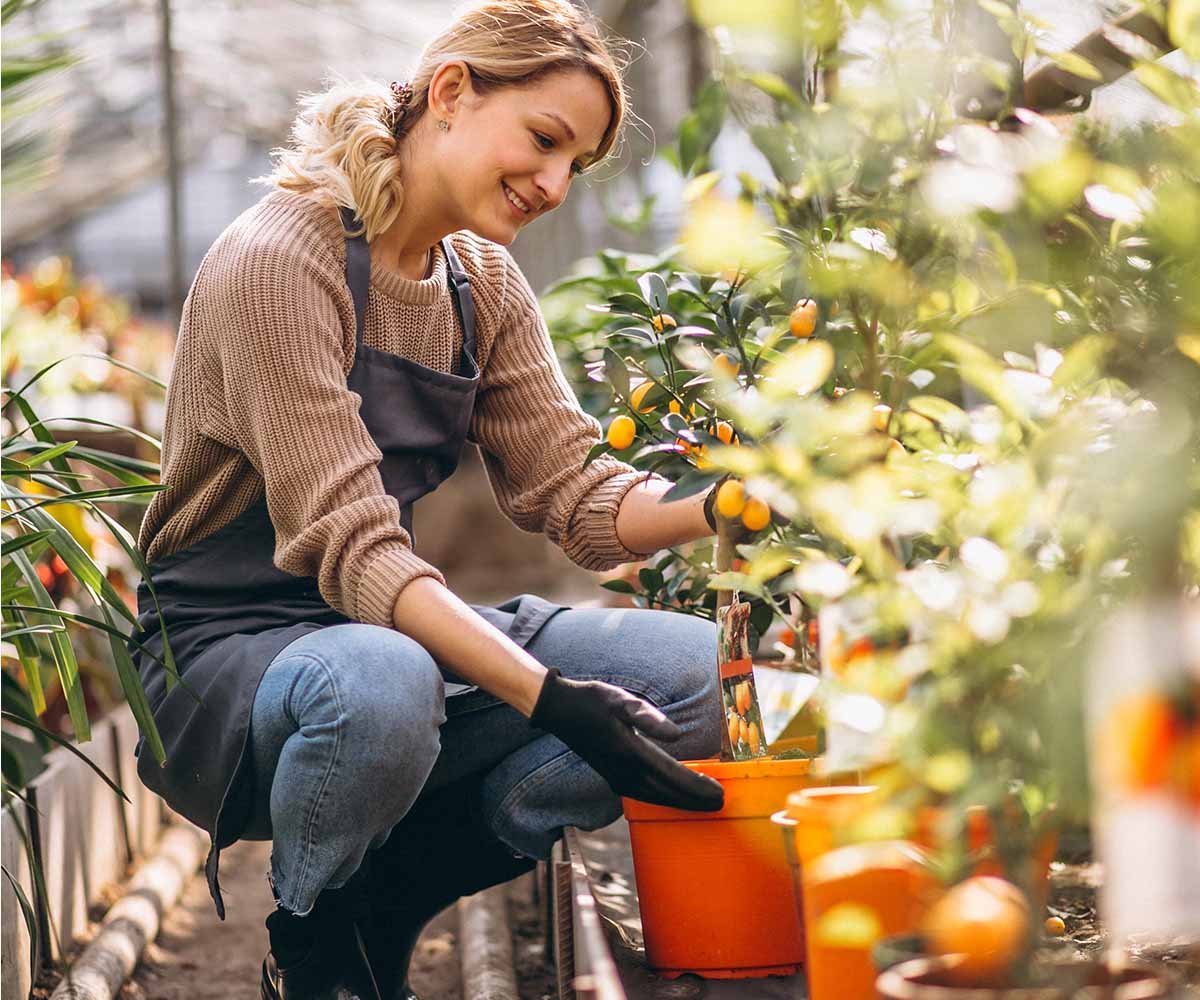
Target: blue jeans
351, 722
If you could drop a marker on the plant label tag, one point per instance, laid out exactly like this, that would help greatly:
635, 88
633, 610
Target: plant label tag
742, 735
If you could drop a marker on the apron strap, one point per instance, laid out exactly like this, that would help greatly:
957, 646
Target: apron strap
464, 304
358, 274
358, 277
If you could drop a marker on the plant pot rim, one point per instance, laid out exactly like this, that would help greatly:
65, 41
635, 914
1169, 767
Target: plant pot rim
760, 767
901, 982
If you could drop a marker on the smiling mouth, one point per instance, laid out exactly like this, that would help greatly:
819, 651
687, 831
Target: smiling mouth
515, 199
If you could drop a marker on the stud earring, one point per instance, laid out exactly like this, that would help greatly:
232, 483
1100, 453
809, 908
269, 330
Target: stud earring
443, 125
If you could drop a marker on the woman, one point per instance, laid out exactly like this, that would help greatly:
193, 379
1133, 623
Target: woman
341, 341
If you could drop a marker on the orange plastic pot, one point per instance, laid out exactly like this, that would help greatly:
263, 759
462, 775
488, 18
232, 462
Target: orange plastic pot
713, 888
848, 897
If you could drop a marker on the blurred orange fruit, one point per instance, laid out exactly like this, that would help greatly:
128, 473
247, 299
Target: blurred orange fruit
725, 365
881, 416
754, 740
663, 321
984, 919
1055, 926
724, 432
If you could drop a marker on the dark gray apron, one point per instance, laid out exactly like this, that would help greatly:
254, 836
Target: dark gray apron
229, 611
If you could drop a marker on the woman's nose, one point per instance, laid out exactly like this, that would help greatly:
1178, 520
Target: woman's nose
554, 184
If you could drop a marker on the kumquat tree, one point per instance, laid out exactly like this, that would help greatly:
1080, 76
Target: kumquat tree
943, 359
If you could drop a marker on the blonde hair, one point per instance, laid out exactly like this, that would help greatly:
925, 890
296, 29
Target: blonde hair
343, 149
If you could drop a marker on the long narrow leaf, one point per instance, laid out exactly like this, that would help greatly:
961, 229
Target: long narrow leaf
130, 546
31, 657
49, 454
140, 435
35, 426
29, 914
23, 541
135, 694
31, 630
64, 655
77, 560
114, 494
91, 623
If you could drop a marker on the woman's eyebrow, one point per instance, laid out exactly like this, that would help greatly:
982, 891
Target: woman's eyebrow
566, 128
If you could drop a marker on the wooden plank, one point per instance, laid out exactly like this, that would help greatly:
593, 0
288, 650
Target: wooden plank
15, 943
596, 975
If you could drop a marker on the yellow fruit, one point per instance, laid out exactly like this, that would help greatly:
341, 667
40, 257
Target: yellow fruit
744, 731
754, 740
756, 515
663, 321
723, 364
685, 447
1055, 926
638, 394
803, 319
621, 432
702, 459
881, 416
984, 919
725, 432
731, 499
735, 728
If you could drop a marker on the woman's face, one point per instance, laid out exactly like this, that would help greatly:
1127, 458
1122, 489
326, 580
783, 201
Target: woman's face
521, 144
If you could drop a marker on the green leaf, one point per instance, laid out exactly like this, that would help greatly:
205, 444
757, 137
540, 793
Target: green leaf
601, 448
619, 586
49, 455
616, 372
701, 126
73, 554
650, 579
1183, 26
654, 291
12, 545
1082, 361
950, 418
690, 483
1076, 65
775, 87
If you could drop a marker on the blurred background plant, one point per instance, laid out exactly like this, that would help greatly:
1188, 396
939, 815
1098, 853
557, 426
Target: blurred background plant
953, 346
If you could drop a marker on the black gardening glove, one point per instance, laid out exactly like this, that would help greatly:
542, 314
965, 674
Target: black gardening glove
601, 723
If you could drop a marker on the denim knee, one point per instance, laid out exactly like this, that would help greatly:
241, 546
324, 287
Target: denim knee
384, 693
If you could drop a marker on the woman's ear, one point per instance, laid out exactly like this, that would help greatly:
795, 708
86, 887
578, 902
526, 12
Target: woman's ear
449, 88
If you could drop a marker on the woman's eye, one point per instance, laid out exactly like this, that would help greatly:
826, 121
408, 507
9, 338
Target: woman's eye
576, 168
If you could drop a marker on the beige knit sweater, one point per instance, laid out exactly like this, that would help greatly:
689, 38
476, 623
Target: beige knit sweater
258, 401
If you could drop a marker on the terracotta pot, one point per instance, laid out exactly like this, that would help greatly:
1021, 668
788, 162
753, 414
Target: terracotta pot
713, 888
926, 979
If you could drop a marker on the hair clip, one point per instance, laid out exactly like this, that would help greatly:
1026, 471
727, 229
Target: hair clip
401, 96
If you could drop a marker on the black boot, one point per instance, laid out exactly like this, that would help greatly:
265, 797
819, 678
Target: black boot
441, 850
320, 956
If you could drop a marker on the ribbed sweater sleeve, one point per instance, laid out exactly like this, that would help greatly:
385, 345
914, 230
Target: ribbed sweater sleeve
281, 349
534, 437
